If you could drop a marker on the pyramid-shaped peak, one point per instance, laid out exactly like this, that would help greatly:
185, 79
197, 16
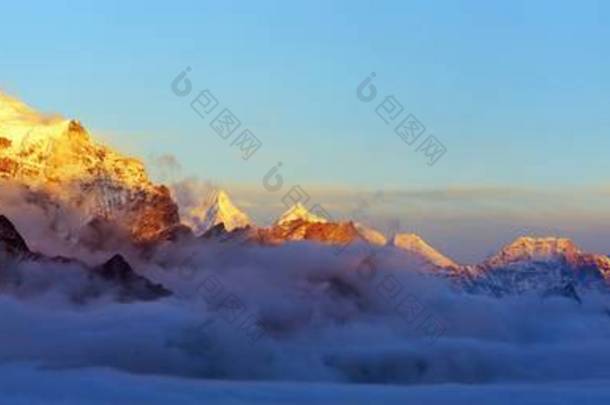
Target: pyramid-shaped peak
218, 209
221, 198
299, 212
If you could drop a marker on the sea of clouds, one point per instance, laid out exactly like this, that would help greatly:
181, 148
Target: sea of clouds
298, 313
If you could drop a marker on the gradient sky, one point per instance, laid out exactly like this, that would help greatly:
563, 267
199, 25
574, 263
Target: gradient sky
516, 90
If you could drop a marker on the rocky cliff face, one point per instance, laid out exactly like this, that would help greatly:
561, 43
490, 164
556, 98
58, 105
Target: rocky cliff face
60, 157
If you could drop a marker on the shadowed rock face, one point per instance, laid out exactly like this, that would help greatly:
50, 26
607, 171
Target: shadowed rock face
11, 241
114, 277
116, 268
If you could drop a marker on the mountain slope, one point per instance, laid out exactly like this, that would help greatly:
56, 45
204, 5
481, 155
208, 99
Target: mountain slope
415, 245
371, 235
59, 156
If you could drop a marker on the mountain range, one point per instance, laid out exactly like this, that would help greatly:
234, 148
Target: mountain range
57, 160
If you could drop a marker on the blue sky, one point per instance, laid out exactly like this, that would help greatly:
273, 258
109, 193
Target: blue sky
517, 91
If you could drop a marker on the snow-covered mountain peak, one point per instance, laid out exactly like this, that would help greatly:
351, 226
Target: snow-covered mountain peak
414, 244
59, 156
222, 199
298, 211
540, 264
527, 248
41, 149
218, 209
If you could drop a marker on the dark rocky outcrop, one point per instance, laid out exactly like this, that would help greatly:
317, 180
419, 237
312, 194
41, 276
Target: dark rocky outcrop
131, 285
11, 242
115, 276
